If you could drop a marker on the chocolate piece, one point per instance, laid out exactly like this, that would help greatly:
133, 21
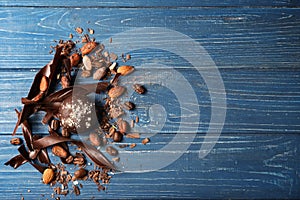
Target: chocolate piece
42, 155
50, 70
19, 160
76, 114
96, 156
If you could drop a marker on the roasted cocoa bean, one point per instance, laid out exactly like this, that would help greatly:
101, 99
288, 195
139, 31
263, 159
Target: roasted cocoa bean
123, 126
95, 139
59, 151
80, 173
128, 105
117, 137
139, 88
16, 141
111, 151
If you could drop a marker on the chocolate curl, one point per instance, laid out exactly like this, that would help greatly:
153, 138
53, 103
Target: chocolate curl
96, 156
16, 161
51, 103
50, 70
25, 155
47, 117
67, 64
27, 134
62, 94
43, 156
22, 158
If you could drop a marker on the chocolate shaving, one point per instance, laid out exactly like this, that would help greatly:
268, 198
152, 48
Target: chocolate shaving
72, 108
43, 156
40, 145
16, 161
96, 156
50, 70
50, 104
67, 64
47, 117
27, 134
22, 158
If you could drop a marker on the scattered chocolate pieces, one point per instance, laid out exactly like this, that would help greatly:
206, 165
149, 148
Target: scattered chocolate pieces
68, 113
54, 124
76, 190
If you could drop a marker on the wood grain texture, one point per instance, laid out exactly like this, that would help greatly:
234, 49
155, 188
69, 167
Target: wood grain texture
257, 102
254, 44
236, 168
234, 38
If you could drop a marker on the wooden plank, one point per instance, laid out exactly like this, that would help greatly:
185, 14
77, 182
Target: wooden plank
253, 43
252, 166
148, 3
257, 38
257, 101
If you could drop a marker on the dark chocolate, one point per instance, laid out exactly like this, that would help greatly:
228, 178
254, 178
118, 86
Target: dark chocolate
50, 70
54, 104
95, 155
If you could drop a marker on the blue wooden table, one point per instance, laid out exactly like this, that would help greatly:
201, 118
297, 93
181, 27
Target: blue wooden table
250, 54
